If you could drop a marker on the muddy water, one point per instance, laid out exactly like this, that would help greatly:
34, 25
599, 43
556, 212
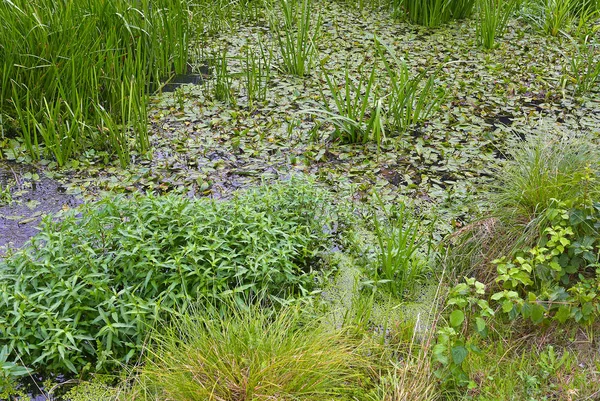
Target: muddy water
32, 196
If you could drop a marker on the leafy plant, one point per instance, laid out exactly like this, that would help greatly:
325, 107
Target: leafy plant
493, 19
88, 286
412, 99
9, 372
298, 38
470, 312
540, 170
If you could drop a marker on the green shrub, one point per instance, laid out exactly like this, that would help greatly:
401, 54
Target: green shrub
86, 288
239, 352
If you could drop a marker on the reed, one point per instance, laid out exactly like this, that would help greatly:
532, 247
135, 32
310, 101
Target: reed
69, 95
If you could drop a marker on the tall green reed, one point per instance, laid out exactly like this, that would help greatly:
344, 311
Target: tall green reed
423, 12
298, 37
411, 98
68, 67
358, 113
257, 73
492, 20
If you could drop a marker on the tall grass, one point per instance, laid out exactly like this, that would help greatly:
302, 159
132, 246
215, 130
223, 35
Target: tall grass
582, 69
75, 74
400, 260
358, 115
423, 12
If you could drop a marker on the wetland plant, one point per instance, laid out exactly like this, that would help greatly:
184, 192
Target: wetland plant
257, 73
57, 87
223, 90
493, 17
542, 170
582, 69
254, 353
86, 289
429, 13
400, 263
358, 114
298, 37
411, 99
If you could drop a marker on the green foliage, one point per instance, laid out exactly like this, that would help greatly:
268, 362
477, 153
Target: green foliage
556, 280
429, 13
298, 37
542, 169
412, 99
493, 19
556, 15
253, 353
257, 74
357, 117
404, 250
432, 13
582, 70
71, 95
460, 9
470, 312
223, 81
88, 286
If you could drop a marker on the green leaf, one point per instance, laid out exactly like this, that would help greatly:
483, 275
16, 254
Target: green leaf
507, 306
537, 313
563, 314
459, 353
480, 324
457, 317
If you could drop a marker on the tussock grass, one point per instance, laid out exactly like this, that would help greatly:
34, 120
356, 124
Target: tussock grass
246, 353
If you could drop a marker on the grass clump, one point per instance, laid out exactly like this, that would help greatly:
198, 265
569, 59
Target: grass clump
540, 170
84, 291
247, 353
